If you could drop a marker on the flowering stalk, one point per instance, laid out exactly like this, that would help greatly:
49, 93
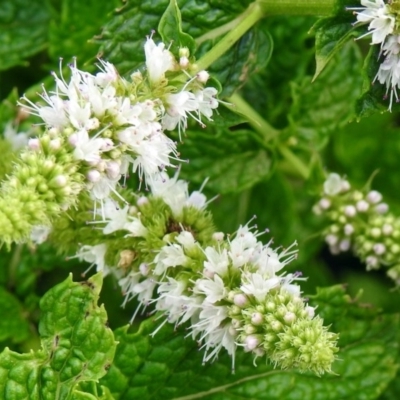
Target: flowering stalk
360, 221
300, 7
97, 128
165, 251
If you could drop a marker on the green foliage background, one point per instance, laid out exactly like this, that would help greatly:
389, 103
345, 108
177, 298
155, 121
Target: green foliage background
317, 120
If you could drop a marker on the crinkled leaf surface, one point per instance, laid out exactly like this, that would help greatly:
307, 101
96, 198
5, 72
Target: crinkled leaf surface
232, 160
321, 107
168, 366
77, 345
123, 37
331, 34
23, 30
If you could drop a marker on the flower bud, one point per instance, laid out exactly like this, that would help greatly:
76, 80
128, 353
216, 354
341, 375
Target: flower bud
240, 300
34, 144
374, 197
348, 229
251, 342
324, 203
379, 248
203, 76
93, 176
362, 206
218, 236
382, 208
257, 318
350, 211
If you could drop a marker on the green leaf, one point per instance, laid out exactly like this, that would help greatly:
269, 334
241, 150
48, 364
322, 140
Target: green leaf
168, 366
321, 107
170, 29
23, 30
123, 37
331, 34
13, 324
232, 160
77, 22
373, 99
77, 345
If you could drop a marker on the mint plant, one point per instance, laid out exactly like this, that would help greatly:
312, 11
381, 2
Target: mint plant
190, 166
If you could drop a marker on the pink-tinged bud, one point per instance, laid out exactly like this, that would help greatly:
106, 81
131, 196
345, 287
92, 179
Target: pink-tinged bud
93, 176
331, 239
379, 249
55, 144
382, 208
240, 300
324, 203
257, 318
348, 229
107, 145
184, 62
289, 317
141, 201
144, 269
350, 211
34, 144
344, 245
218, 236
73, 139
259, 352
203, 76
372, 263
113, 170
374, 197
251, 342
362, 206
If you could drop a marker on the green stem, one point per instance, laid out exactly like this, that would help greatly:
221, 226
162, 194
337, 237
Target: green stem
14, 263
255, 120
253, 14
267, 133
323, 8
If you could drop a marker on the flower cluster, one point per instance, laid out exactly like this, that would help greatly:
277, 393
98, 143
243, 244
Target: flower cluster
231, 290
100, 126
383, 25
112, 124
360, 220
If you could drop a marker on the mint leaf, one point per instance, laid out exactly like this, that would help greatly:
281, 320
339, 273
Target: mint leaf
13, 325
77, 345
321, 107
232, 160
373, 99
122, 39
168, 366
23, 30
331, 34
170, 29
69, 31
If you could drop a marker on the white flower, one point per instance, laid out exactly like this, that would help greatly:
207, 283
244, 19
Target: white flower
213, 289
40, 233
217, 261
116, 217
17, 140
86, 148
377, 14
169, 256
135, 227
186, 239
178, 106
207, 101
333, 184
94, 255
158, 60
256, 285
